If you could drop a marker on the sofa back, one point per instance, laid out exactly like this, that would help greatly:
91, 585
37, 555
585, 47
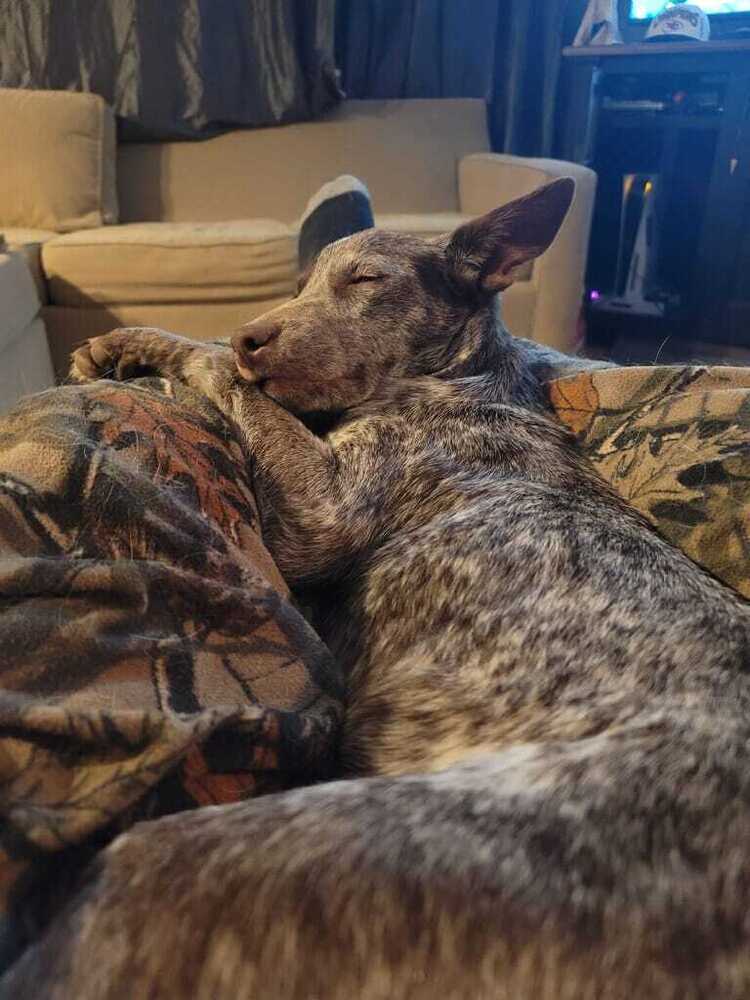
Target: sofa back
407, 152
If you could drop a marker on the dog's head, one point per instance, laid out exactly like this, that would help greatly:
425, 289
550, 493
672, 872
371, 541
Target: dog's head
380, 304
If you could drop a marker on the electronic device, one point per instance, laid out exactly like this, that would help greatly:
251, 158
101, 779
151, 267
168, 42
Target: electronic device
644, 10
655, 94
636, 286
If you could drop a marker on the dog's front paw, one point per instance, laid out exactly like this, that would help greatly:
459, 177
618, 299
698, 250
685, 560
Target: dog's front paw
126, 353
97, 358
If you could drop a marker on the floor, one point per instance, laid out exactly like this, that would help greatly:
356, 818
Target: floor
630, 339
632, 350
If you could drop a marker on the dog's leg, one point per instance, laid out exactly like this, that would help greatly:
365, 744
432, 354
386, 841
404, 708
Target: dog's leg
543, 871
131, 351
313, 520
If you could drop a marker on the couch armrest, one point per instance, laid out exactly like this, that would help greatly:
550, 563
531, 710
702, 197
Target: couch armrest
487, 180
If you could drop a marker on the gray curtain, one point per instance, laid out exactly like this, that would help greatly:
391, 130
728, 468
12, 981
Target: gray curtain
177, 68
505, 51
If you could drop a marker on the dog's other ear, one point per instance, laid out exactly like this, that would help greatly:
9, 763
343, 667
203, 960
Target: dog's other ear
488, 252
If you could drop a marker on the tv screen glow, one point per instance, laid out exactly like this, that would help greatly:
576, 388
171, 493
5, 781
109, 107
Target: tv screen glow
642, 10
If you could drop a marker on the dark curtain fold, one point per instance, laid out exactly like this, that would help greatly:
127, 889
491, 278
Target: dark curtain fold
416, 48
507, 52
174, 68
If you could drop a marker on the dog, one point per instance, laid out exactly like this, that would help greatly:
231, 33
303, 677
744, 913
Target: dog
546, 788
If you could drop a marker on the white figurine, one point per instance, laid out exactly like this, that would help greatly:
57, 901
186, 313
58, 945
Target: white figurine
599, 25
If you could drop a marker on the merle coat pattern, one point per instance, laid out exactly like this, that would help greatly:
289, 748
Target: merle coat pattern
548, 704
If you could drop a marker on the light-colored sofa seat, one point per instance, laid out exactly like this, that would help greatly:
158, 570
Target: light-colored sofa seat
25, 364
171, 262
200, 279
201, 236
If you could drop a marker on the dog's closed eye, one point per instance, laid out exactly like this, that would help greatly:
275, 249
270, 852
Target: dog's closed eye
358, 279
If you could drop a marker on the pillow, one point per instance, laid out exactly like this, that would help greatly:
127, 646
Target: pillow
57, 170
675, 443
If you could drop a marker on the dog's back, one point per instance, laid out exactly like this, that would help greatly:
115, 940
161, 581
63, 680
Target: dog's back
514, 597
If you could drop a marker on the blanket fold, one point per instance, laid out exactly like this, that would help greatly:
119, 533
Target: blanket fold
150, 656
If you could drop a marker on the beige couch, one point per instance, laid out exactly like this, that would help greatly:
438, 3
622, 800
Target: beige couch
198, 237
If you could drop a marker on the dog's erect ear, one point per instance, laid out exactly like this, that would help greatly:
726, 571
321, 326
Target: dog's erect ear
488, 252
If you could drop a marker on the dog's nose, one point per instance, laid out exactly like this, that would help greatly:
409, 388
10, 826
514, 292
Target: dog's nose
253, 336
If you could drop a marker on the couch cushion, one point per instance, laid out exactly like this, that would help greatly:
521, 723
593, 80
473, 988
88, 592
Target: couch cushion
60, 171
405, 151
19, 302
424, 224
172, 262
29, 243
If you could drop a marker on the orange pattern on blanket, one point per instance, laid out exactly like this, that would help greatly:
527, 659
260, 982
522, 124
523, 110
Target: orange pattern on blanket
150, 659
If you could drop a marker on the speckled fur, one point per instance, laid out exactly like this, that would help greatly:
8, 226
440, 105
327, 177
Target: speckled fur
549, 705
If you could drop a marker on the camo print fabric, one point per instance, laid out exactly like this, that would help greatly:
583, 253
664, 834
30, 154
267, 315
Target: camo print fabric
675, 442
150, 659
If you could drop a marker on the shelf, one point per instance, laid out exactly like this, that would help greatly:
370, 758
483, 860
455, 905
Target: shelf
659, 120
721, 46
703, 160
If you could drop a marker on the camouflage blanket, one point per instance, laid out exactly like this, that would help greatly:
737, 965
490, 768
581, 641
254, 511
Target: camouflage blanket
150, 657
675, 442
